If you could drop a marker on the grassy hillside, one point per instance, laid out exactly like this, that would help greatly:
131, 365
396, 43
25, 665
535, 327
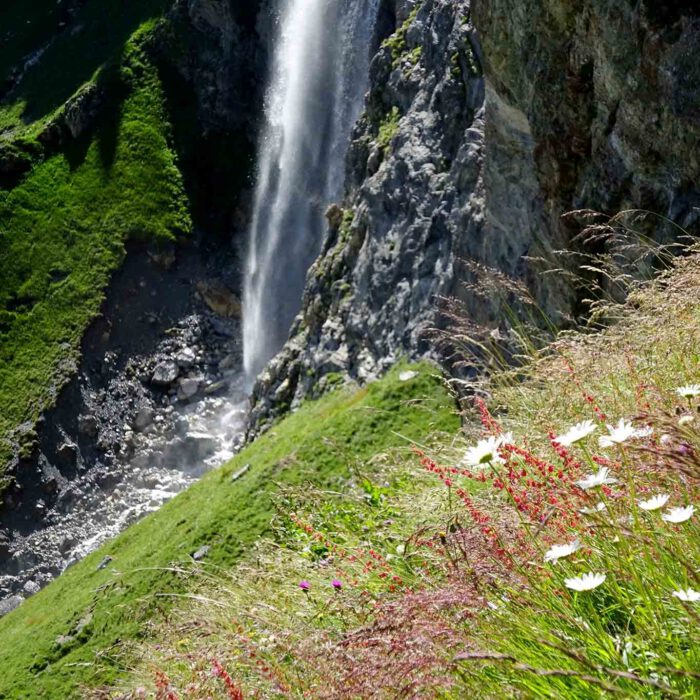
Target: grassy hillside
446, 578
63, 227
68, 635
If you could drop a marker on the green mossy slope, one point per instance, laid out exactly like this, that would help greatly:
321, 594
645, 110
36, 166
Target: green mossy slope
63, 230
116, 603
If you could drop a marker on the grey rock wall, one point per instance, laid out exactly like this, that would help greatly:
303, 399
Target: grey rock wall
471, 148
608, 93
414, 191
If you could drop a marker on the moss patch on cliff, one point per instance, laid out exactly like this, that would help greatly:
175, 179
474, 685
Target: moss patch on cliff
63, 229
67, 636
388, 128
396, 43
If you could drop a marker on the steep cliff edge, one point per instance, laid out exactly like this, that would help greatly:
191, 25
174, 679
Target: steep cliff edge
483, 125
121, 124
413, 192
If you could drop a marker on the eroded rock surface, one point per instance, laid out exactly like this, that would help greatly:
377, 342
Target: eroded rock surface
413, 191
484, 124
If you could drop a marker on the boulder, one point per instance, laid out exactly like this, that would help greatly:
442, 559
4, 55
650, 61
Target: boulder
219, 298
143, 418
186, 358
30, 588
165, 374
198, 446
188, 387
9, 604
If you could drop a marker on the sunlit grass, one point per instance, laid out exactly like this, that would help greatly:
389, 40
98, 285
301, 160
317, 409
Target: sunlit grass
540, 569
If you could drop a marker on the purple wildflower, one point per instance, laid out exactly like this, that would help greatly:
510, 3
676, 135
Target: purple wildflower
337, 584
304, 585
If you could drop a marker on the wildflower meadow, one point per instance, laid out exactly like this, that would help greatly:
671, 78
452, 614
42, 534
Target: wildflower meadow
549, 549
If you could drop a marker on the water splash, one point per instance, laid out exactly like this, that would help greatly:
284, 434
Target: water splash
318, 81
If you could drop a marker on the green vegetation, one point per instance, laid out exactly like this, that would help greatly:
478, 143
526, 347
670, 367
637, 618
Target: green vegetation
92, 609
63, 228
74, 41
429, 575
396, 43
62, 233
388, 128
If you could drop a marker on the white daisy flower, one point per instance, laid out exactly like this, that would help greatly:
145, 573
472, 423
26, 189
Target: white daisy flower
561, 550
687, 596
576, 433
586, 582
486, 451
655, 502
688, 391
595, 509
686, 419
678, 515
618, 434
599, 479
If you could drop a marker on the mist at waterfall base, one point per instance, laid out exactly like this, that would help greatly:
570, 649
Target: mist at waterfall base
315, 93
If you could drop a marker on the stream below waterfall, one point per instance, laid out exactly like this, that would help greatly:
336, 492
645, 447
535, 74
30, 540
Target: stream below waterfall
158, 399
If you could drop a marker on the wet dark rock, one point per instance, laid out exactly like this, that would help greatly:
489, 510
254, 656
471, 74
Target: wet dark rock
68, 452
188, 387
198, 446
4, 545
67, 543
143, 418
228, 362
165, 374
216, 387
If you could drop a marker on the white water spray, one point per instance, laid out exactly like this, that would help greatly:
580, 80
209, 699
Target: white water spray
316, 90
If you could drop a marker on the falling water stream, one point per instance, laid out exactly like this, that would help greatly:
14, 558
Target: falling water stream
318, 80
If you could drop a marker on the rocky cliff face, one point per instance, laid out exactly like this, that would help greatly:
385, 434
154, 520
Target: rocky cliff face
413, 190
473, 145
598, 102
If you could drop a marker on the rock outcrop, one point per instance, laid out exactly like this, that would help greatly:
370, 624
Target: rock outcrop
471, 148
414, 192
590, 104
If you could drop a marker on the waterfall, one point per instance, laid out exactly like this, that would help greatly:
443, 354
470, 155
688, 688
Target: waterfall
314, 96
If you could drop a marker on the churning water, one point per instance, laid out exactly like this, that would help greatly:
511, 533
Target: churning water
317, 84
